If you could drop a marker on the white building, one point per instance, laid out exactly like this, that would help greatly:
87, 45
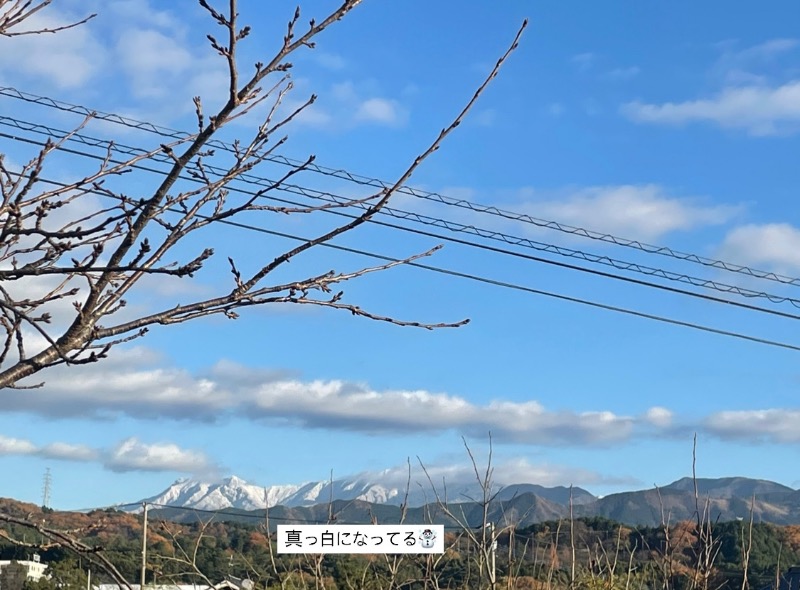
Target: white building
225, 585
35, 567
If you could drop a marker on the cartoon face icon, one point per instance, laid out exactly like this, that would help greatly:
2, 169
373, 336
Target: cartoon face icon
427, 539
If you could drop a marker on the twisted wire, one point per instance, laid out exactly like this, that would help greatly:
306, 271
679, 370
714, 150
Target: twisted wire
418, 193
503, 284
452, 226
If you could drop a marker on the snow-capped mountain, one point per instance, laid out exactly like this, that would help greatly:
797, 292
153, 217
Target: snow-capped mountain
234, 492
231, 492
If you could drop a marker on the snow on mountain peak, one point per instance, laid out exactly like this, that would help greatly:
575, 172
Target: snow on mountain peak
234, 492
234, 481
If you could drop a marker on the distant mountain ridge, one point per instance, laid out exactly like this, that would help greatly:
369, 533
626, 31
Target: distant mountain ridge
359, 499
231, 492
729, 487
236, 493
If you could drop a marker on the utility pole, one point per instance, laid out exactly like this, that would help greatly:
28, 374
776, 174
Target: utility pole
144, 545
493, 579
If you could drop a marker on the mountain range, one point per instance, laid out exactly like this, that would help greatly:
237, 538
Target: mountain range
359, 500
233, 492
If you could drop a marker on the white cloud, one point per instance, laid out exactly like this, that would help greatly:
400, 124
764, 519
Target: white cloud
750, 65
462, 475
759, 110
768, 49
584, 60
772, 246
591, 107
623, 73
346, 105
660, 417
380, 110
484, 118
643, 212
330, 61
313, 116
69, 59
129, 455
142, 11
150, 58
208, 78
16, 446
69, 452
133, 455
344, 91
755, 95
172, 286
61, 310
132, 387
770, 425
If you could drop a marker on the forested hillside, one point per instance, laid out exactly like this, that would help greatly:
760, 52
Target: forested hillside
586, 552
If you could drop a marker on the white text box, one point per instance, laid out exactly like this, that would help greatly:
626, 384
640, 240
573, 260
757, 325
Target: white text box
360, 538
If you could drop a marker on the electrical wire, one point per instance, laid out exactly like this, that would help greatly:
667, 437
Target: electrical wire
438, 222
261, 517
432, 196
503, 284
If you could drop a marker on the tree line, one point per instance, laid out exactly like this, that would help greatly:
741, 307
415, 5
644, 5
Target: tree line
585, 553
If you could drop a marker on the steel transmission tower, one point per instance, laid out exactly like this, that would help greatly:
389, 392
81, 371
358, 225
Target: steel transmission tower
46, 487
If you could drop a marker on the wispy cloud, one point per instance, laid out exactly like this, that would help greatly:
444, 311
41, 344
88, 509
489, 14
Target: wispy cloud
133, 388
68, 60
484, 118
658, 416
459, 475
758, 110
645, 212
68, 452
755, 94
768, 425
344, 106
128, 387
623, 73
143, 11
768, 49
16, 446
149, 57
134, 455
329, 61
771, 246
598, 64
379, 110
584, 61
750, 65
129, 455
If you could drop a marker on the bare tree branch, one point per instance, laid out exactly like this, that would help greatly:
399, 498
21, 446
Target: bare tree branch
69, 542
15, 12
88, 245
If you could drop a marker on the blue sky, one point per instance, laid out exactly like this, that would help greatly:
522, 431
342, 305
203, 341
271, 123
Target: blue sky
676, 125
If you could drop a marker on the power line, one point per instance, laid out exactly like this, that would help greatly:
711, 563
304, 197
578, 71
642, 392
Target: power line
225, 512
504, 284
262, 517
432, 196
446, 224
